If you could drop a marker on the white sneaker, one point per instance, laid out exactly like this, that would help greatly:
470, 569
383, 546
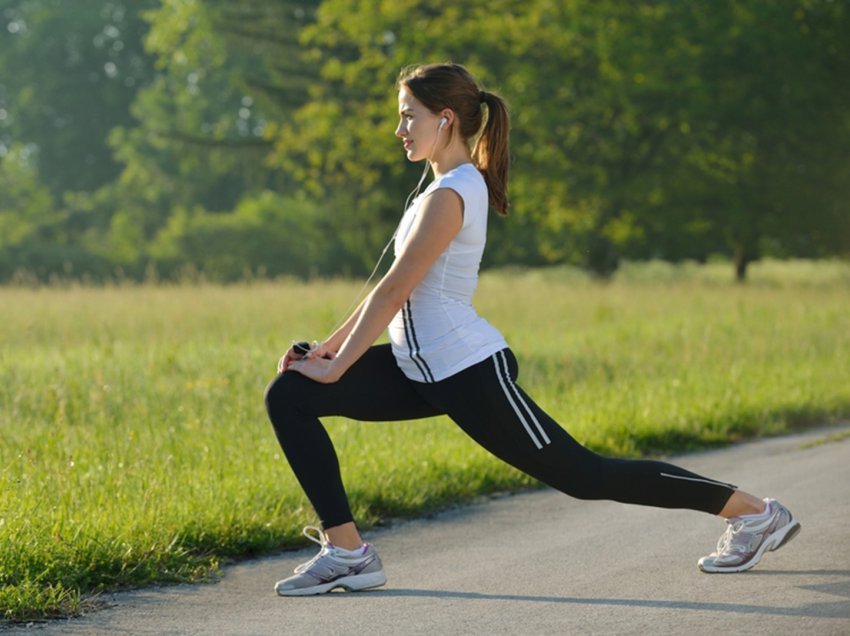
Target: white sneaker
334, 567
748, 537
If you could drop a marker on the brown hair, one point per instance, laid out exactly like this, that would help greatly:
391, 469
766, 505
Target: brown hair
448, 85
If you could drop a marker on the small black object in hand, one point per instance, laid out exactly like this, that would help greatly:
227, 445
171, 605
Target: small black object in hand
302, 348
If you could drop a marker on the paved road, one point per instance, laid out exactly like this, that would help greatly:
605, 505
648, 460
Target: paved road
542, 563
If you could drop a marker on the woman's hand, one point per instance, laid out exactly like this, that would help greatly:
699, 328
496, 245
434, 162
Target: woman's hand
323, 370
293, 355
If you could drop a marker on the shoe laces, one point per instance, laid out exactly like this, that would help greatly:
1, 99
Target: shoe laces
316, 536
727, 539
735, 528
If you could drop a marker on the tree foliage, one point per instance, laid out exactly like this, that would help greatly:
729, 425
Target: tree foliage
649, 129
70, 73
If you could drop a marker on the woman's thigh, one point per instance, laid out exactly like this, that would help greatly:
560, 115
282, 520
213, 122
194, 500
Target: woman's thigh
373, 389
485, 403
503, 419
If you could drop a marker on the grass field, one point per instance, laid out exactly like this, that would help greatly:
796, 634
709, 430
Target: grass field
135, 447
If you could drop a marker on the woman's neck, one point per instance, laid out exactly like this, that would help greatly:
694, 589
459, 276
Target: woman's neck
449, 159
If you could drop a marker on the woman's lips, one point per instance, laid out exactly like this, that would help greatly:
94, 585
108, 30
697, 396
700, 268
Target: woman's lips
407, 143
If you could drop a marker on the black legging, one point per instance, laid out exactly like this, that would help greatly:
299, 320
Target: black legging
484, 401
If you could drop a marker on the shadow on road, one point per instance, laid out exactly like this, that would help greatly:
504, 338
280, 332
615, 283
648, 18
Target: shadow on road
836, 588
837, 609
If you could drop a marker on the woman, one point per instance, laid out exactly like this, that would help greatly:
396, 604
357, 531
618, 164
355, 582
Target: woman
441, 351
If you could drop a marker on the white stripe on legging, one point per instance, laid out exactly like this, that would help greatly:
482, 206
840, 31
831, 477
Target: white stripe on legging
513, 396
704, 481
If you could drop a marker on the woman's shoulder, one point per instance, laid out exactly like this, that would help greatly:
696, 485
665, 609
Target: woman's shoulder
465, 178
469, 183
464, 172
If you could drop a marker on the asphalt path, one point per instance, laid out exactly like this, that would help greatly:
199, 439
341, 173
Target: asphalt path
543, 563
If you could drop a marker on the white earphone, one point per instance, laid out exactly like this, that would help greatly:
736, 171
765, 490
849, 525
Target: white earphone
443, 122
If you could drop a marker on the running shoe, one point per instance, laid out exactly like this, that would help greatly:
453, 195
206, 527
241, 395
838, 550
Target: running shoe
333, 567
748, 537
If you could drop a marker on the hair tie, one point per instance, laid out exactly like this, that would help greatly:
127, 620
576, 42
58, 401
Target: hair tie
482, 96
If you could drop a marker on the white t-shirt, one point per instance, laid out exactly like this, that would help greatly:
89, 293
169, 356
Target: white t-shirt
437, 333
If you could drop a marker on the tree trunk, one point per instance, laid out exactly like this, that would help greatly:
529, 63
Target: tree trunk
742, 259
602, 257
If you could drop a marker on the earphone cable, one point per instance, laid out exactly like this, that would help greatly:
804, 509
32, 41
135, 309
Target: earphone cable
410, 199
359, 296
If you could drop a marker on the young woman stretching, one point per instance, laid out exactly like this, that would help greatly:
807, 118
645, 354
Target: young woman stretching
441, 352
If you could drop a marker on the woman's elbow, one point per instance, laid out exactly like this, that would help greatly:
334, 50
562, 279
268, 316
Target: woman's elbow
392, 295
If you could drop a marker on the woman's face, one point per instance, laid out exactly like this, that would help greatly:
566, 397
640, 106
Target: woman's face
417, 127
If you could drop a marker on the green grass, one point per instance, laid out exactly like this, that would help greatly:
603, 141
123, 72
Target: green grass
827, 439
135, 447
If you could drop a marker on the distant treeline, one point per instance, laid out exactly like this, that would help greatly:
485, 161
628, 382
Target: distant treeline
255, 137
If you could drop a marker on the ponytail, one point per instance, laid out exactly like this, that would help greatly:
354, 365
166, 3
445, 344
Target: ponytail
492, 151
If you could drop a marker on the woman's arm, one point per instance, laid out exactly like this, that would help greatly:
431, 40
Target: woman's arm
439, 220
326, 348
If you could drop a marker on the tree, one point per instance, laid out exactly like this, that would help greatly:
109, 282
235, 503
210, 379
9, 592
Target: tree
227, 76
641, 129
780, 174
25, 205
649, 129
34, 235
70, 76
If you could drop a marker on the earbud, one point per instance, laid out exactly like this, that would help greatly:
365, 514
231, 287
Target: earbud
443, 122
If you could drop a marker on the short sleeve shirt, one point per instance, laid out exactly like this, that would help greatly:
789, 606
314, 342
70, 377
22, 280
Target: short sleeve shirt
437, 332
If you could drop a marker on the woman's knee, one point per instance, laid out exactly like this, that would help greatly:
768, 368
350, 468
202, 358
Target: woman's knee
579, 473
282, 396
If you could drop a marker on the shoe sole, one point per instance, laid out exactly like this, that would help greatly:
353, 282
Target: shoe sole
354, 583
773, 542
788, 535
